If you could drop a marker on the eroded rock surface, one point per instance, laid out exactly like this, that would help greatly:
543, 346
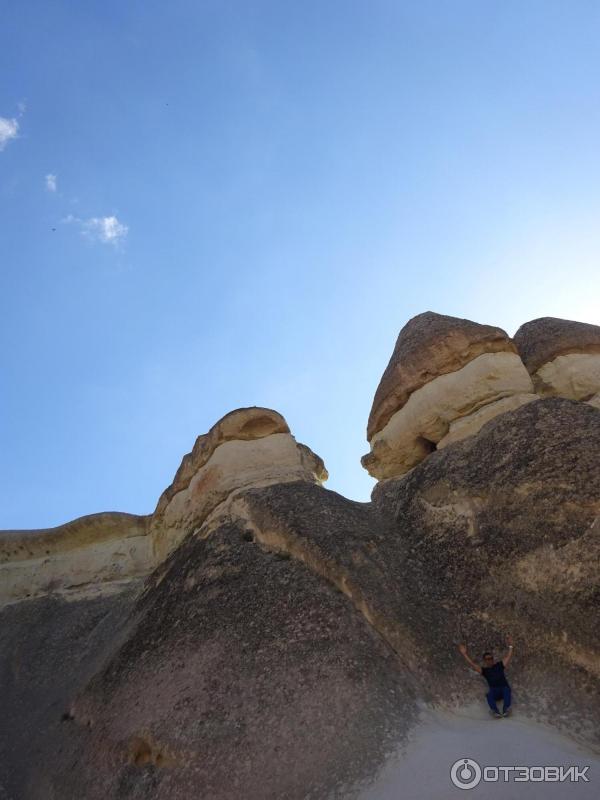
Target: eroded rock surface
96, 552
502, 528
430, 345
562, 356
287, 639
445, 379
50, 648
248, 447
100, 553
247, 675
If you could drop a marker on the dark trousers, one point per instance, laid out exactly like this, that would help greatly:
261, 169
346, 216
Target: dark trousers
498, 693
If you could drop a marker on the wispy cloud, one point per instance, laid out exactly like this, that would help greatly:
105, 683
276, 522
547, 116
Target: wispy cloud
107, 230
9, 130
51, 182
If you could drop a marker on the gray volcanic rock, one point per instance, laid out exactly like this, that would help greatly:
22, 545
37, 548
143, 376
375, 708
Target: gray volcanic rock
429, 345
246, 675
50, 648
503, 531
286, 648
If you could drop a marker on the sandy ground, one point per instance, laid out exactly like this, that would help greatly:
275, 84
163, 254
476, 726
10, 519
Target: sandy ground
422, 770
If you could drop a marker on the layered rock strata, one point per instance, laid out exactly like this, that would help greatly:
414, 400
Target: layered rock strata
98, 553
445, 379
563, 358
247, 447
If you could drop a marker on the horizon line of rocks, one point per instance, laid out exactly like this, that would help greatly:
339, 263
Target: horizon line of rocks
445, 379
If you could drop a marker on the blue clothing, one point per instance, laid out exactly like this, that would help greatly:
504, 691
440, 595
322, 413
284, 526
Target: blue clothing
498, 693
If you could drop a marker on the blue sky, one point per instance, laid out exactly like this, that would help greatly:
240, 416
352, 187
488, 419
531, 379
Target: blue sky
246, 202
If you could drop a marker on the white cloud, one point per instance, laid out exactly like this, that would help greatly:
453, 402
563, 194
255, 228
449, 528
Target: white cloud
107, 230
51, 182
9, 129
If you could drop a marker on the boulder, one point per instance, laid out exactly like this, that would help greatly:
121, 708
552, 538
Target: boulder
562, 356
445, 379
430, 345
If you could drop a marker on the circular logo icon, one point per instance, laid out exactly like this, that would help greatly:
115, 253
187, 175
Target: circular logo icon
465, 773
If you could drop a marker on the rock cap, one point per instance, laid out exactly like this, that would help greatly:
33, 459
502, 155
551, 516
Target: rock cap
248, 447
430, 345
241, 424
544, 339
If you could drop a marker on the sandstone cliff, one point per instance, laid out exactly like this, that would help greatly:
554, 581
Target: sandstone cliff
280, 641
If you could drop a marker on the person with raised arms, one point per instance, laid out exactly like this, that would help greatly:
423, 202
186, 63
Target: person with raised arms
493, 672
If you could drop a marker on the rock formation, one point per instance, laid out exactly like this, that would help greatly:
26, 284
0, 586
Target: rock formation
248, 447
285, 641
563, 358
98, 553
504, 530
87, 553
446, 378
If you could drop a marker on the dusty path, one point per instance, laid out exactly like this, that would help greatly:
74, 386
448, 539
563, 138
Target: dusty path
422, 771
